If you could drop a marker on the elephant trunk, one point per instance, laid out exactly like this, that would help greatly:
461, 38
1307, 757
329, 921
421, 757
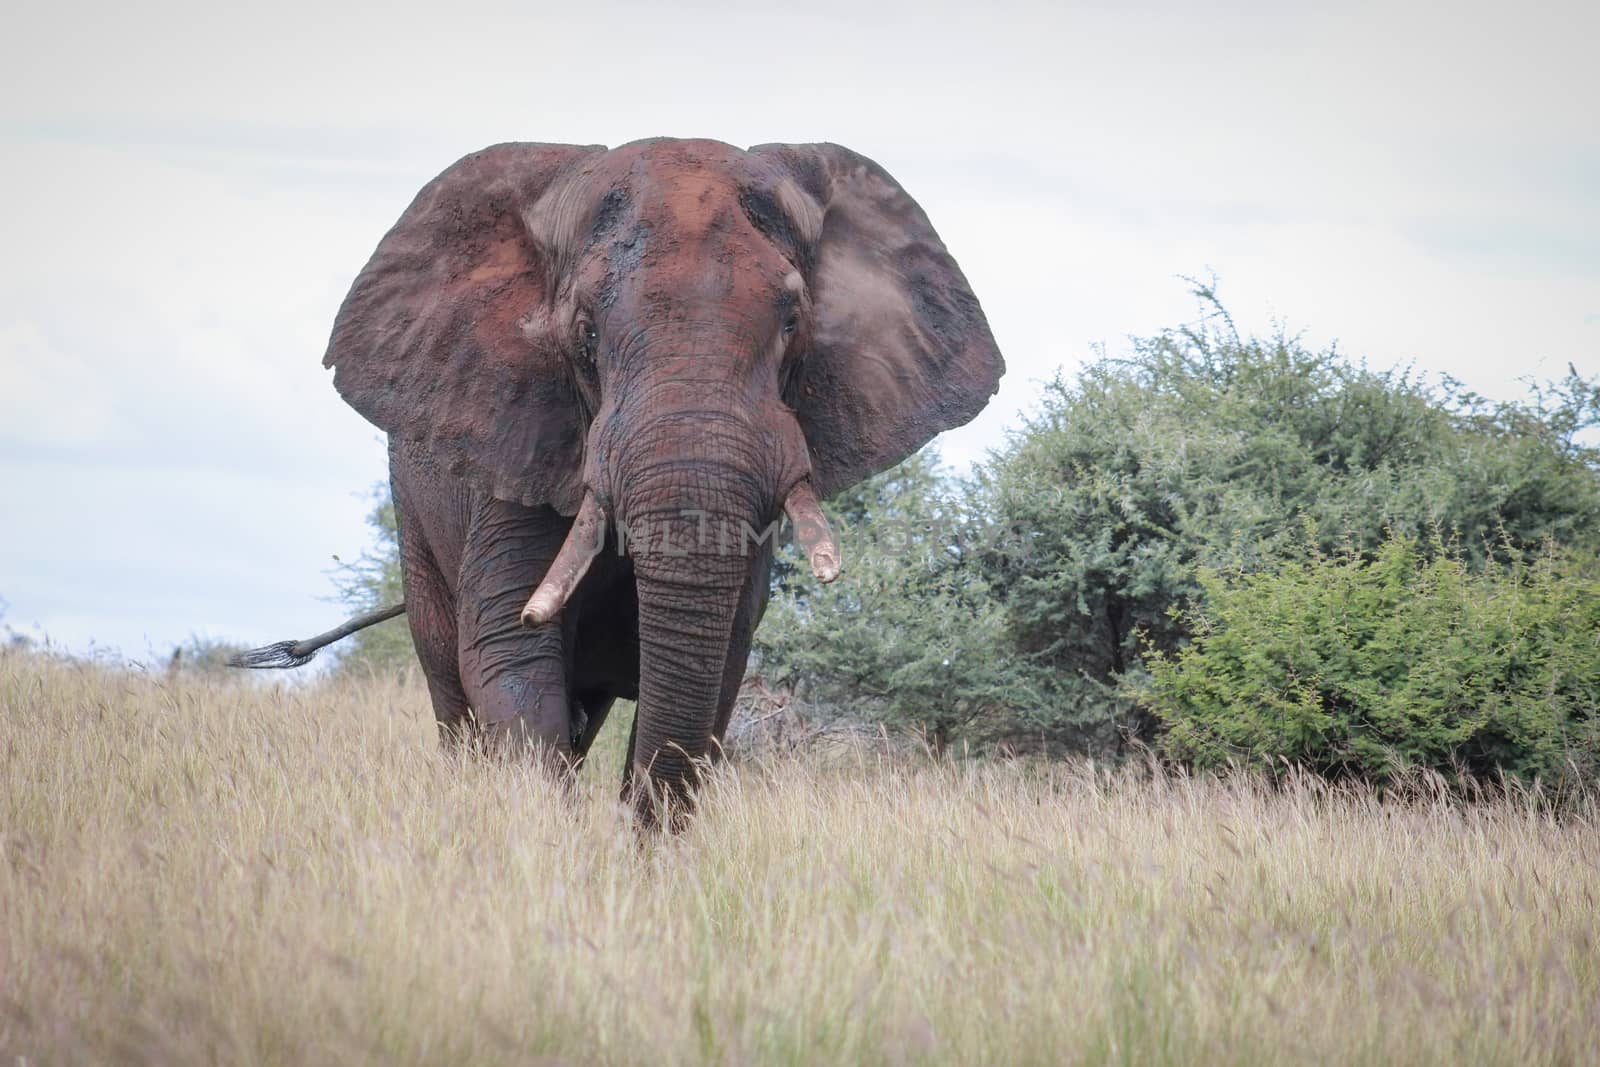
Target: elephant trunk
693, 566
689, 595
694, 484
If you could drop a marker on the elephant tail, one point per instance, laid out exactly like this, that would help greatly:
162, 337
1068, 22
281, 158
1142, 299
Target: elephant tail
298, 653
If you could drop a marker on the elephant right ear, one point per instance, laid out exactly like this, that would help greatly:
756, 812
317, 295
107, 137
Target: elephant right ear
446, 339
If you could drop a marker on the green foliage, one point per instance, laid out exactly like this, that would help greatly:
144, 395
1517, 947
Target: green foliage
1203, 449
1079, 549
373, 581
909, 635
905, 497
1368, 665
1524, 468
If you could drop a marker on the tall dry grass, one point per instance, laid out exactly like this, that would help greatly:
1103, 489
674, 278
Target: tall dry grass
200, 871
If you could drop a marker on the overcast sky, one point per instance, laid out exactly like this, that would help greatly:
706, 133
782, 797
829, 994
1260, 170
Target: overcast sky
188, 191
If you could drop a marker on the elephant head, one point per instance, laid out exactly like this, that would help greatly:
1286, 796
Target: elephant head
659, 334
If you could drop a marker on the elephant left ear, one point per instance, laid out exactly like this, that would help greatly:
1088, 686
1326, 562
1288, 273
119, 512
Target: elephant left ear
899, 348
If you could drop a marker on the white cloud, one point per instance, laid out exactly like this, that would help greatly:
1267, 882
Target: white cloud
188, 190
48, 396
188, 309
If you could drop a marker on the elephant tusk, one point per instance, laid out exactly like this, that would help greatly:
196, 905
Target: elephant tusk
812, 531
582, 545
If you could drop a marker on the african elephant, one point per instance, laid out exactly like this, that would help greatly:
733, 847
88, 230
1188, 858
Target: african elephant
593, 366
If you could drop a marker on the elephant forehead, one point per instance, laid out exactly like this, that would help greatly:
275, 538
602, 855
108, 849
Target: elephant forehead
667, 221
687, 188
690, 207
680, 190
695, 203
664, 155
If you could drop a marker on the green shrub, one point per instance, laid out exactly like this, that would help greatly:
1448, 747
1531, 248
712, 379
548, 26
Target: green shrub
1363, 665
1205, 449
909, 635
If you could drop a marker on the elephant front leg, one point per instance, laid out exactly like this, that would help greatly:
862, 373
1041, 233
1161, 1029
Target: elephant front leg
517, 687
430, 611
516, 679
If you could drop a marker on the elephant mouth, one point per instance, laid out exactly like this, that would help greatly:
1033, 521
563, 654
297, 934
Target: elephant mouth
588, 536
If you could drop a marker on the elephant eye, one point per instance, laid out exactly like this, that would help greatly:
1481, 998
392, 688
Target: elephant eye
790, 325
587, 336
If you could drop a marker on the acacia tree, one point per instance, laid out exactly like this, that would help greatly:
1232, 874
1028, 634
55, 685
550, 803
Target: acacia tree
1205, 449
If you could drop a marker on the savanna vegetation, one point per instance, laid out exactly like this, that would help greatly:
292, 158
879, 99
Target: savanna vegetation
1234, 550
199, 870
1243, 707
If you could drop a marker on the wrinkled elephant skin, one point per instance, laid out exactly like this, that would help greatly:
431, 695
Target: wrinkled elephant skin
672, 337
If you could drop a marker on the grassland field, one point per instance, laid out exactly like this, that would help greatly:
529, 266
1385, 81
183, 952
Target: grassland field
198, 870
